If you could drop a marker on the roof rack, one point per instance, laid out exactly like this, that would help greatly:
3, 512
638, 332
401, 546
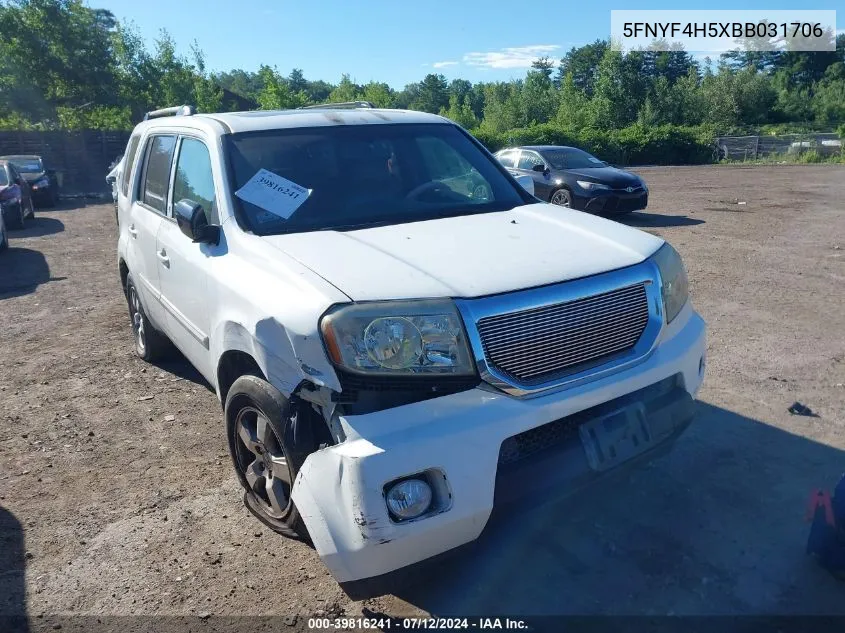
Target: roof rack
183, 110
345, 105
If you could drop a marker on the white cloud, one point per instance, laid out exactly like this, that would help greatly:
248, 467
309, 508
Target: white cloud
516, 57
444, 64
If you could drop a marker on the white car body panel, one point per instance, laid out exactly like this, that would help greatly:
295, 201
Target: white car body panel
264, 296
469, 256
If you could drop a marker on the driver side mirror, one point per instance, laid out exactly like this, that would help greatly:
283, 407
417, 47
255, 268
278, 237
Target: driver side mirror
192, 221
540, 167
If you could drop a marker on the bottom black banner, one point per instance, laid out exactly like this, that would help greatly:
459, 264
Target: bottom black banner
206, 623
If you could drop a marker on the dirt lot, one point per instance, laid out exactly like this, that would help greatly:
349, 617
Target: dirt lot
117, 496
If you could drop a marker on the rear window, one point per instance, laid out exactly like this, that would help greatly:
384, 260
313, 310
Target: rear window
128, 164
157, 172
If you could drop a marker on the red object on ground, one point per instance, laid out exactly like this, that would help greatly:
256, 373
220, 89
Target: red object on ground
820, 498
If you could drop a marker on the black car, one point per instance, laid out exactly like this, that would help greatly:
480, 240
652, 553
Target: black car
45, 188
571, 177
15, 198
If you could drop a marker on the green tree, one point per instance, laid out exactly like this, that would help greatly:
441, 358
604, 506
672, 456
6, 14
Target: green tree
583, 64
460, 113
572, 109
379, 94
346, 90
829, 99
275, 93
433, 94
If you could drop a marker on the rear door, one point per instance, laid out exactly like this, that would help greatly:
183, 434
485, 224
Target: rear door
183, 264
148, 209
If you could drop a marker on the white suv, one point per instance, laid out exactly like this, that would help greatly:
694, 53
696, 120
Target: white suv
401, 336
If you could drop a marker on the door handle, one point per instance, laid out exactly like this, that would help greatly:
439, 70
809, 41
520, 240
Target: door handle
133, 231
163, 258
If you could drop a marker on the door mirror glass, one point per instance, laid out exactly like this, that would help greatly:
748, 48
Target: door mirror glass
192, 221
539, 167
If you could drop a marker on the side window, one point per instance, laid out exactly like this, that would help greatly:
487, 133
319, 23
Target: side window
507, 158
194, 179
528, 160
13, 174
128, 162
157, 172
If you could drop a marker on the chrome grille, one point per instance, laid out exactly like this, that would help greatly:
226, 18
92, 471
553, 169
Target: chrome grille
536, 344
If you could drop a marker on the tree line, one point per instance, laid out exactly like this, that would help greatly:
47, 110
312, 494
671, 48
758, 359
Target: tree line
64, 65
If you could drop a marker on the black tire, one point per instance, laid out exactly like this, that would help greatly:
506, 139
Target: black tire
268, 447
16, 222
150, 344
31, 213
4, 244
561, 197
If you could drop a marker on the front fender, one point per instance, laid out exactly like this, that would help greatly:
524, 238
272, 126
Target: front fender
269, 306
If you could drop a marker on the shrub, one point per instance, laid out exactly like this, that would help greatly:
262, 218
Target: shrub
634, 145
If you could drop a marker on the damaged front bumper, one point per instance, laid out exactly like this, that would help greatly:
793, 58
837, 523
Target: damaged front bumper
487, 447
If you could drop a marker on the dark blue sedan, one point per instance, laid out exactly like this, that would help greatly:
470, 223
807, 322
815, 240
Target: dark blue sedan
571, 177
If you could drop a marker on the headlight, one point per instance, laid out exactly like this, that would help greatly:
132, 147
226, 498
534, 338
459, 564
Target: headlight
398, 338
591, 186
674, 285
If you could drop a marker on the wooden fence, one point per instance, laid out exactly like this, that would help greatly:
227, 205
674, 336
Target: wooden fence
81, 159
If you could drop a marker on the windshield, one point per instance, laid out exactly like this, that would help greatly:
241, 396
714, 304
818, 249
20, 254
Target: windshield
4, 177
572, 158
371, 175
28, 165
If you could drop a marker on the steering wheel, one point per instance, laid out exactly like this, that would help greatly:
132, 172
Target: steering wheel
416, 192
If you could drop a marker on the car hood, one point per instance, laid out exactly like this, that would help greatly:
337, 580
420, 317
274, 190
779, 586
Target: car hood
468, 256
611, 176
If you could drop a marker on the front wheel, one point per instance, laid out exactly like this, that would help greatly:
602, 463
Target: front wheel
262, 428
31, 213
562, 198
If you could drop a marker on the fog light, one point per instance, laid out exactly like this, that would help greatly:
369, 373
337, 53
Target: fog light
409, 499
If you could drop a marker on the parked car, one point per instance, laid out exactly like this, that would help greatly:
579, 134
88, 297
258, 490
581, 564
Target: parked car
112, 178
397, 348
43, 182
15, 197
4, 235
571, 177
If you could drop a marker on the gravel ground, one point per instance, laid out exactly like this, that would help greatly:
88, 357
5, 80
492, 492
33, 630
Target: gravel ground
117, 496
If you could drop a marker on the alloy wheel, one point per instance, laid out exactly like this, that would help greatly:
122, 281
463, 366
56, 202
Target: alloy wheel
263, 462
138, 323
561, 198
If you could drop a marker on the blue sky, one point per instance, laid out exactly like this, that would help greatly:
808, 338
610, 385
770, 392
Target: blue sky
397, 42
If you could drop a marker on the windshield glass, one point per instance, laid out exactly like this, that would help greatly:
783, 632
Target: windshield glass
371, 175
28, 165
4, 177
572, 158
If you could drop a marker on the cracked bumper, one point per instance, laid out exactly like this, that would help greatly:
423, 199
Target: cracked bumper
339, 490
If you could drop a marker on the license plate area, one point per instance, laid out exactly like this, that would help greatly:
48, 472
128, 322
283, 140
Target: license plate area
616, 437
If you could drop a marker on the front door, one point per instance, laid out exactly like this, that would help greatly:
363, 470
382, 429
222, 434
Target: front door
528, 160
183, 265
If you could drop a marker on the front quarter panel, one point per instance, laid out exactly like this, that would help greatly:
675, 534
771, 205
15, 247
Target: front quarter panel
268, 305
